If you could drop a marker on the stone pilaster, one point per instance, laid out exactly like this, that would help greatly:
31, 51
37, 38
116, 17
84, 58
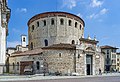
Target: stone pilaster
4, 17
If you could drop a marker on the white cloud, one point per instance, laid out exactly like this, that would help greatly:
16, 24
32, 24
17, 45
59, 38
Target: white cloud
96, 15
69, 3
103, 11
80, 15
96, 3
24, 10
13, 44
93, 16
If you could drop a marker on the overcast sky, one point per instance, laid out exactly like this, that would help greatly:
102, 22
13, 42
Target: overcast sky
102, 17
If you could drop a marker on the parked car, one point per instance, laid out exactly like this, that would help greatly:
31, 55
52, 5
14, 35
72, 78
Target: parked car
28, 70
75, 74
58, 73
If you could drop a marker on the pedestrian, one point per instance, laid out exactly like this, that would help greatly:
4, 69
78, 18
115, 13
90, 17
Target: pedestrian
100, 71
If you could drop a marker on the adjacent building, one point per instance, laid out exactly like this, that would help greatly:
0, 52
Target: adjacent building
4, 18
57, 45
18, 49
110, 58
118, 62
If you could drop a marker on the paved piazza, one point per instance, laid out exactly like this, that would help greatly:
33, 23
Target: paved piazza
84, 79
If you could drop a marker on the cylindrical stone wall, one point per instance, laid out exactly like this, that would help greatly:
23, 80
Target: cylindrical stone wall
53, 28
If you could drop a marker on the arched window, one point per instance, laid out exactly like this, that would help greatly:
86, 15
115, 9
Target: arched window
61, 21
17, 65
80, 26
13, 66
38, 65
38, 24
32, 28
44, 22
78, 55
31, 46
24, 39
70, 22
60, 54
52, 21
46, 42
75, 24
73, 42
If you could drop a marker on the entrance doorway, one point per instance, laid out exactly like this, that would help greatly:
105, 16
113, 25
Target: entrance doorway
26, 66
89, 65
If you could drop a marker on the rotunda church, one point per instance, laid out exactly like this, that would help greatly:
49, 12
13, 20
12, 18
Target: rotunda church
57, 45
53, 28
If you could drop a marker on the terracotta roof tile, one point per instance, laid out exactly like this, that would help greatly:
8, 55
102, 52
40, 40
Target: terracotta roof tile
29, 52
60, 46
18, 52
108, 47
55, 14
39, 50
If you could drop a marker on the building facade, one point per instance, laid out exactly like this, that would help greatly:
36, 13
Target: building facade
110, 57
19, 48
4, 18
56, 45
62, 58
118, 62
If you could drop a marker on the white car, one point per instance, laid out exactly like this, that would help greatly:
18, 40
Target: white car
75, 74
28, 70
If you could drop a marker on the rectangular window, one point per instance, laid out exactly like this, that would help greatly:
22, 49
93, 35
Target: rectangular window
114, 61
113, 55
117, 64
117, 59
107, 51
107, 56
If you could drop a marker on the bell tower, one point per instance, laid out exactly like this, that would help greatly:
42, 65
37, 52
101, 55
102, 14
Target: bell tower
23, 40
4, 18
